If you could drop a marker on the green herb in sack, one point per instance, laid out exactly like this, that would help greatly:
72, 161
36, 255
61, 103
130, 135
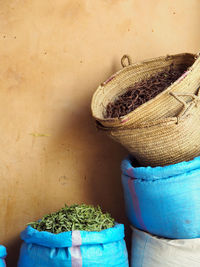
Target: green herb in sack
76, 217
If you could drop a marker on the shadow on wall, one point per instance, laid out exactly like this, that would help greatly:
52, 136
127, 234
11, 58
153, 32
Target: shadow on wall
13, 249
101, 166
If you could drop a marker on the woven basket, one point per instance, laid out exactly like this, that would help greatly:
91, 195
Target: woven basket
162, 106
164, 141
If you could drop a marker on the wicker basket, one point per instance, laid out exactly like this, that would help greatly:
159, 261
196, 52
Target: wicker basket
162, 106
164, 130
165, 141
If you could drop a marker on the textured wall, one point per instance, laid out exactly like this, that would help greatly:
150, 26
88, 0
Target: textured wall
53, 54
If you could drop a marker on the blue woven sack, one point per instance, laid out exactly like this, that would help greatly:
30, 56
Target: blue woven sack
164, 201
2, 256
76, 248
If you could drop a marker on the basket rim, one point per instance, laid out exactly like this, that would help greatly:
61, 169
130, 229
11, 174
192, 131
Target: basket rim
167, 121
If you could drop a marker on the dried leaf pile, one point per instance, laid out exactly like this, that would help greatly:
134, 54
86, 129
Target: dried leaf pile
76, 217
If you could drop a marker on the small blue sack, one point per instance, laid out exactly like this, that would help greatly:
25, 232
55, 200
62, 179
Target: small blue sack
3, 254
76, 248
164, 201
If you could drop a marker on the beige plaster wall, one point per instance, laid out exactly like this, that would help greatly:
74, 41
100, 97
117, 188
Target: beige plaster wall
53, 54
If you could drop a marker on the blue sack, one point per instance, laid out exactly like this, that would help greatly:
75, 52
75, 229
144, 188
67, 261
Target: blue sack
76, 248
164, 201
3, 254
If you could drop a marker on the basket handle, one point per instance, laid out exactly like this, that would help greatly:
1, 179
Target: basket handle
186, 106
123, 61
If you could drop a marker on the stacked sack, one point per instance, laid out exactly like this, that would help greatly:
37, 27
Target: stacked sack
163, 201
161, 177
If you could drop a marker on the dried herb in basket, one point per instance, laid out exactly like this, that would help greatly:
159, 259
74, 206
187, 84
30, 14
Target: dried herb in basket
143, 91
76, 217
